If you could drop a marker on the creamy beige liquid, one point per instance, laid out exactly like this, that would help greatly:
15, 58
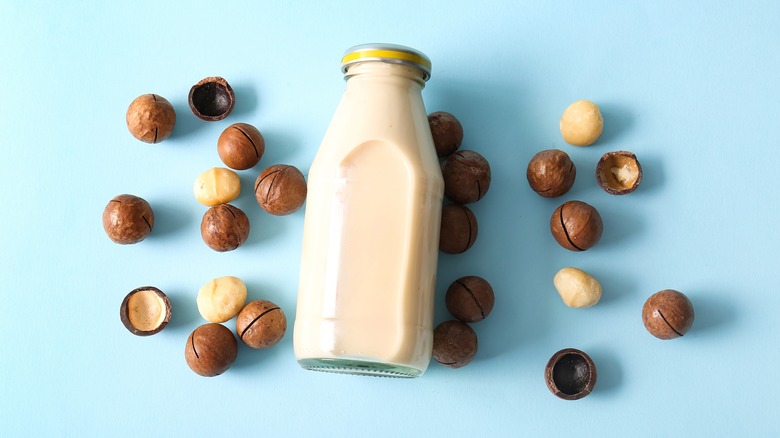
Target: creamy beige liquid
371, 232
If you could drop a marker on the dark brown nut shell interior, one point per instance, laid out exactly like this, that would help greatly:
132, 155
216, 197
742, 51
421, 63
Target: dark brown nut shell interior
128, 219
211, 349
212, 99
576, 226
551, 173
619, 172
470, 298
668, 314
454, 344
281, 189
570, 374
447, 132
130, 312
459, 229
261, 324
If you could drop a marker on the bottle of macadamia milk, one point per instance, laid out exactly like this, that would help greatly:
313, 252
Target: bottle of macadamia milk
371, 233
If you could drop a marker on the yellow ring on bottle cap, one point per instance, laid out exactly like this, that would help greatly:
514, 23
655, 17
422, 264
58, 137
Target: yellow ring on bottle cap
388, 53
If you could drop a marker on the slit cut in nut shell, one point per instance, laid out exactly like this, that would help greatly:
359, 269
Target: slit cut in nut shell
570, 374
145, 311
212, 99
619, 172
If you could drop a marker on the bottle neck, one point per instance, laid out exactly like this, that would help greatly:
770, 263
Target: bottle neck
380, 69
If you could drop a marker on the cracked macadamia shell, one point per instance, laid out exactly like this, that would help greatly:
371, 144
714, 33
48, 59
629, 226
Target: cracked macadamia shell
470, 299
447, 132
619, 172
210, 350
280, 189
224, 227
454, 344
459, 229
212, 99
570, 374
261, 324
128, 219
240, 146
576, 226
145, 311
668, 314
551, 173
466, 177
150, 118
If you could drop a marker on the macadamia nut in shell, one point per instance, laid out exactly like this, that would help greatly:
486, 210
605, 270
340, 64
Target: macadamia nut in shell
210, 350
150, 118
261, 324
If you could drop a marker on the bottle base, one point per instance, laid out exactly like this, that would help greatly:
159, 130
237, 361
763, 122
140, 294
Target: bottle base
359, 367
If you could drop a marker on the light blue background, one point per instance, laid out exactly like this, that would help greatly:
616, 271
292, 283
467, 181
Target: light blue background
692, 89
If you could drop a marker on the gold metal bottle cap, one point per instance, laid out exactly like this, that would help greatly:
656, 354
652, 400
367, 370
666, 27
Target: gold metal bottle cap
388, 53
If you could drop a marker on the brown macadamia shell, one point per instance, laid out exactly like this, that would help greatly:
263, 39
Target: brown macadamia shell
459, 229
240, 146
668, 314
224, 227
551, 173
261, 324
470, 299
280, 189
212, 99
145, 311
466, 177
570, 374
447, 132
454, 344
211, 349
128, 219
619, 172
576, 226
150, 118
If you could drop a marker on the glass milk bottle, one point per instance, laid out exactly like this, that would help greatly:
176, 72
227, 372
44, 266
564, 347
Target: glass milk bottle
371, 230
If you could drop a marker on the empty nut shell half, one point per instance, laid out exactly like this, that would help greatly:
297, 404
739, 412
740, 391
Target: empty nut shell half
619, 172
212, 99
145, 311
570, 374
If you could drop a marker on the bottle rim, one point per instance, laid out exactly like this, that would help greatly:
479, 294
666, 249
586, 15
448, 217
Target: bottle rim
393, 53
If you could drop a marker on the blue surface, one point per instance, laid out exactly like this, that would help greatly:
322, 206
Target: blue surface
692, 89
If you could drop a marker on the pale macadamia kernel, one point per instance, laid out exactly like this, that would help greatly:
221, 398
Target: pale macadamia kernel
581, 123
221, 299
577, 288
217, 186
